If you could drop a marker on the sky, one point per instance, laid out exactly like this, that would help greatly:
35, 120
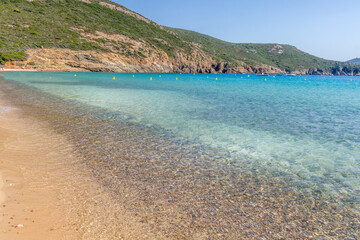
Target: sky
325, 28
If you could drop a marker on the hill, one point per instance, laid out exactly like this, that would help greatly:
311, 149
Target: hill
287, 58
99, 35
355, 61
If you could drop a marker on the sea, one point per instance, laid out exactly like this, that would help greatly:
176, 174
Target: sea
213, 156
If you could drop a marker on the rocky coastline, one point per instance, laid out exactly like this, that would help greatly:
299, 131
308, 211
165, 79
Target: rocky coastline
66, 60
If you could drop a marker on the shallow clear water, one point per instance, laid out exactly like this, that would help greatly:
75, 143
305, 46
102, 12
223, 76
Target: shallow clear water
304, 128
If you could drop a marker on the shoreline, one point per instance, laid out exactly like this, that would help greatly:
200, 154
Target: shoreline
45, 192
159, 186
17, 70
80, 70
31, 192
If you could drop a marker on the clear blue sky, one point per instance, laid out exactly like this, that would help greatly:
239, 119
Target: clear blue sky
326, 28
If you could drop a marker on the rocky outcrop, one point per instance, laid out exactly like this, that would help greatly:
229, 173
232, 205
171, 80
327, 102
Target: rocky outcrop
122, 54
99, 61
337, 70
93, 61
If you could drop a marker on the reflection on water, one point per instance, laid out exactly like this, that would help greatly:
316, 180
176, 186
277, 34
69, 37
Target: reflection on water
191, 189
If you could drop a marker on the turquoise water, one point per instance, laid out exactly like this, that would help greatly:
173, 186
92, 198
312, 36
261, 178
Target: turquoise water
307, 129
199, 158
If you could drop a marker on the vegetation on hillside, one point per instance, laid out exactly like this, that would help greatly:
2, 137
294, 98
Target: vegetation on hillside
44, 24
285, 57
355, 61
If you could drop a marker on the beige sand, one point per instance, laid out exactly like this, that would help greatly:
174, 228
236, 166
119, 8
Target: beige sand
31, 184
44, 190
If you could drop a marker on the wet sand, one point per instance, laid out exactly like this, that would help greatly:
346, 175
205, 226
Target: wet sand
45, 194
32, 207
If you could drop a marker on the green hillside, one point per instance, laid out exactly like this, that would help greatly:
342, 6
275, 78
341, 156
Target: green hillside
52, 24
45, 23
355, 61
285, 57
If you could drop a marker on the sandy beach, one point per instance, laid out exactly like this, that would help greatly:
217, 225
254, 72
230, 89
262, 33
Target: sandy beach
46, 195
32, 202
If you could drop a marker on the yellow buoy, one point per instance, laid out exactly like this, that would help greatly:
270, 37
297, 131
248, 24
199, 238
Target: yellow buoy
113, 78
350, 79
305, 79
176, 78
207, 76
74, 75
150, 78
248, 75
133, 75
265, 79
159, 75
215, 78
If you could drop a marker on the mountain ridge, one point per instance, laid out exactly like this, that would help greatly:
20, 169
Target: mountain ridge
100, 35
354, 60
